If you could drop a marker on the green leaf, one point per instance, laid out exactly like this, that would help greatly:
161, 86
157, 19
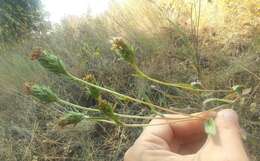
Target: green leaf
106, 108
210, 127
238, 88
94, 92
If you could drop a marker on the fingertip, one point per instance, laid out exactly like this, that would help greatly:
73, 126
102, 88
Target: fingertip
227, 118
228, 138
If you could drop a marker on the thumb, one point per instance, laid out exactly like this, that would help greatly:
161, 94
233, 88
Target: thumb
228, 140
228, 129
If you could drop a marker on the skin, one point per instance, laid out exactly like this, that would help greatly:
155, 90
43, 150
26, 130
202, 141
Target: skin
187, 141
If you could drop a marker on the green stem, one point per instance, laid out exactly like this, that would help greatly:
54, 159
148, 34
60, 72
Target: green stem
123, 96
137, 125
117, 114
176, 85
77, 106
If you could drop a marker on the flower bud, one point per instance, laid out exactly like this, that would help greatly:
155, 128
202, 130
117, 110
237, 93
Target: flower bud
125, 51
71, 118
42, 93
49, 61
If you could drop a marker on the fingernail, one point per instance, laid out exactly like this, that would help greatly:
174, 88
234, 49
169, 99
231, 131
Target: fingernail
228, 115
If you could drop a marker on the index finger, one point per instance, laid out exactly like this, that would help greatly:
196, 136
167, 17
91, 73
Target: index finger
184, 131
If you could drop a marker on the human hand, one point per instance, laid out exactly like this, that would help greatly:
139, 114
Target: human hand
187, 141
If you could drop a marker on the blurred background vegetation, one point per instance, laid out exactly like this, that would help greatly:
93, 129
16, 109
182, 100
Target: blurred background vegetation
176, 40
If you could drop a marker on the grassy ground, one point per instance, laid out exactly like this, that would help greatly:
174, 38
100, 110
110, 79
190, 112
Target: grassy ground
166, 47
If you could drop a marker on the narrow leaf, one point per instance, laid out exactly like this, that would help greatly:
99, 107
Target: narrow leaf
210, 127
238, 89
217, 100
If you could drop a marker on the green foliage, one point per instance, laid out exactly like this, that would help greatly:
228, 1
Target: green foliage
238, 89
18, 18
92, 91
106, 108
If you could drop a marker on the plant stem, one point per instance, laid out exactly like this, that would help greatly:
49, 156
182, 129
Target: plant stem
140, 125
117, 114
130, 98
123, 96
77, 106
176, 85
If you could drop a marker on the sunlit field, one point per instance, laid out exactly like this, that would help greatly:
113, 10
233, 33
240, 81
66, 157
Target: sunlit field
81, 79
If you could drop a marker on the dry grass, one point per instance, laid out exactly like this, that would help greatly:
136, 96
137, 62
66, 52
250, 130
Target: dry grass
164, 42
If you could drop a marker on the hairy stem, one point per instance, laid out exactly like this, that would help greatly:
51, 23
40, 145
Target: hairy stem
118, 114
122, 95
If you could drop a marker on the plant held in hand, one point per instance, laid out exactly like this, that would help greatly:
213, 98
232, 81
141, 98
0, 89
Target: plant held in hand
105, 109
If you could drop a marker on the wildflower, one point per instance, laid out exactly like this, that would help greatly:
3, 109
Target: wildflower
71, 118
107, 110
125, 51
41, 92
49, 61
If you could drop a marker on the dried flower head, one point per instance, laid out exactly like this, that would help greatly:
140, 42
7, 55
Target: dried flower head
36, 53
49, 61
71, 118
118, 43
125, 51
41, 92
89, 78
27, 88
